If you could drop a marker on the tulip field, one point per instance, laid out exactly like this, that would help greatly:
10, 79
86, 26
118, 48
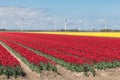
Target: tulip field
9, 66
77, 53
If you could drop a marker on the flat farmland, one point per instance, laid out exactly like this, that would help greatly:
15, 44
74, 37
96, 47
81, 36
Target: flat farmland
71, 52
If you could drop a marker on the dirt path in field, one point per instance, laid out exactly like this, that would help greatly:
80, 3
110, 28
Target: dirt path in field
64, 74
108, 74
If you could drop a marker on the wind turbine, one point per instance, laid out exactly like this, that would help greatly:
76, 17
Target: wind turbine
105, 23
21, 20
65, 24
80, 23
55, 24
4, 24
28, 25
116, 26
93, 27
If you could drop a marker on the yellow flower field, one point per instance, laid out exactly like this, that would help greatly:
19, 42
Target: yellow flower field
99, 34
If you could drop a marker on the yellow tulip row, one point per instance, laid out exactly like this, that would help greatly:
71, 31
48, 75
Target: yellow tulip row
98, 34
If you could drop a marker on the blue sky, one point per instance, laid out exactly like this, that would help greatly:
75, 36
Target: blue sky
88, 11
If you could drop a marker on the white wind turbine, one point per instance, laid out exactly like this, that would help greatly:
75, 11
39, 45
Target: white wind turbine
55, 24
4, 24
80, 23
105, 23
116, 26
65, 24
92, 25
21, 26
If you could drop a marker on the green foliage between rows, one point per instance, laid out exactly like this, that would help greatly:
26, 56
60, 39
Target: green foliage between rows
82, 68
11, 71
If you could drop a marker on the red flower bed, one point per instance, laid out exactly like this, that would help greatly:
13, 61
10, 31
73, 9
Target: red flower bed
6, 59
72, 49
9, 65
28, 54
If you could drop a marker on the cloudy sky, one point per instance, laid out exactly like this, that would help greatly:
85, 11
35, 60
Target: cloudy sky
51, 14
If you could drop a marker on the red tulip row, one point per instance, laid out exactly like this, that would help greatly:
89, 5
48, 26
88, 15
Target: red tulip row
9, 65
73, 49
28, 54
6, 59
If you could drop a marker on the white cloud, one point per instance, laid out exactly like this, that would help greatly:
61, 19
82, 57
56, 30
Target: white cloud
12, 17
21, 11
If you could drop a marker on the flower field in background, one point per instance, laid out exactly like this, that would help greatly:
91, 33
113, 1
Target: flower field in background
98, 34
77, 53
9, 66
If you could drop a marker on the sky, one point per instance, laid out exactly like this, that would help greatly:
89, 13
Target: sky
51, 14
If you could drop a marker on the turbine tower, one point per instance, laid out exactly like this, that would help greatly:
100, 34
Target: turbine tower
80, 23
65, 24
55, 25
21, 24
4, 25
105, 20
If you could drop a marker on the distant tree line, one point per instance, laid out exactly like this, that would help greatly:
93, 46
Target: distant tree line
93, 30
69, 30
109, 30
2, 29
